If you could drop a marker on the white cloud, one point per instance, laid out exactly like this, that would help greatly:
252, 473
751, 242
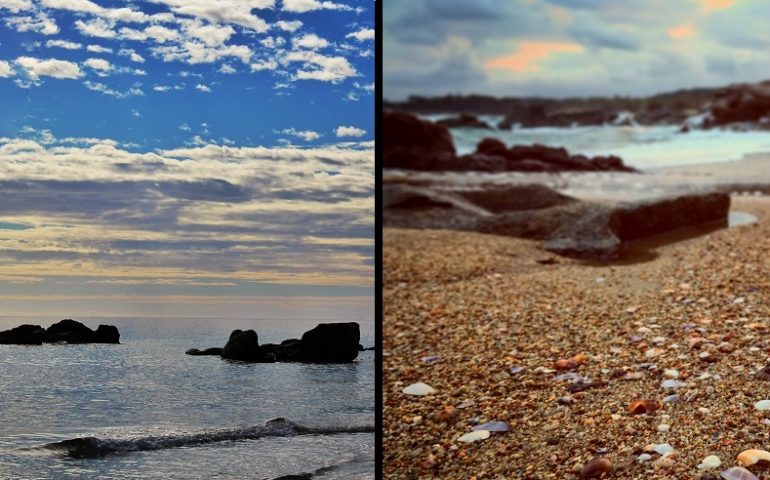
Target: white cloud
235, 12
343, 131
210, 35
5, 69
40, 23
269, 64
98, 49
161, 88
367, 88
310, 41
136, 113
98, 64
100, 87
63, 44
36, 68
16, 6
226, 68
306, 135
302, 6
361, 35
129, 52
97, 27
288, 26
202, 88
320, 67
196, 52
161, 34
185, 127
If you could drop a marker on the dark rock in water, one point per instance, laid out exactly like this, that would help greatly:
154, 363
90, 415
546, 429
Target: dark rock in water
740, 103
244, 346
106, 334
71, 331
330, 343
326, 343
409, 142
491, 146
465, 120
208, 351
23, 335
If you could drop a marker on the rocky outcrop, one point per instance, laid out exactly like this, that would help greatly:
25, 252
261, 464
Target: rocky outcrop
23, 335
740, 104
244, 346
71, 331
409, 142
64, 331
464, 120
326, 343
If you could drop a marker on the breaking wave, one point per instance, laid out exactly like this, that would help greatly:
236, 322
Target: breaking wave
93, 447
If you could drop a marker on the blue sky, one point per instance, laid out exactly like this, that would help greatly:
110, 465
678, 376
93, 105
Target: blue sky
560, 48
188, 158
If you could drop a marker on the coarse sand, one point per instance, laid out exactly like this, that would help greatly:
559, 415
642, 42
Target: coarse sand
483, 320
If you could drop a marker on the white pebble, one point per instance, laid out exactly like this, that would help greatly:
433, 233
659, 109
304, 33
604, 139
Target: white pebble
474, 436
645, 457
712, 461
663, 427
419, 388
671, 373
663, 449
762, 405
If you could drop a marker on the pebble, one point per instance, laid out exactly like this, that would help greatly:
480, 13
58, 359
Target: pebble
633, 376
654, 352
671, 399
738, 473
466, 403
672, 384
762, 405
515, 370
596, 468
664, 427
763, 373
419, 389
474, 436
712, 461
446, 414
644, 406
663, 449
429, 359
645, 457
704, 410
663, 462
494, 426
671, 373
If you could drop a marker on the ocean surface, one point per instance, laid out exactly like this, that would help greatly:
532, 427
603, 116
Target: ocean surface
155, 413
641, 147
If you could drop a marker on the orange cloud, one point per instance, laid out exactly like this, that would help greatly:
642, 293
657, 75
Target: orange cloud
711, 5
682, 31
525, 58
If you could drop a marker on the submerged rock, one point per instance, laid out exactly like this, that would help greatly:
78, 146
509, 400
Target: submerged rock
64, 331
244, 345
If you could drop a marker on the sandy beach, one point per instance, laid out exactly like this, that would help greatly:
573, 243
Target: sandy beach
484, 320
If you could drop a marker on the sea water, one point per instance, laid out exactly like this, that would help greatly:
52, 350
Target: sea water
147, 410
643, 147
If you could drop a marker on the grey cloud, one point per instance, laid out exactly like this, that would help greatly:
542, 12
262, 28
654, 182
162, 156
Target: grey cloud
592, 32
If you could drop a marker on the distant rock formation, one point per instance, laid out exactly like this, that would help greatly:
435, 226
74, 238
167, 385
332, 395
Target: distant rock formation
326, 343
64, 331
464, 120
415, 144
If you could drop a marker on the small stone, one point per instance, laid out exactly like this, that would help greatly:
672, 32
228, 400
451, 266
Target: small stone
515, 370
494, 426
663, 462
644, 406
596, 468
663, 449
466, 403
565, 364
419, 389
763, 373
712, 461
654, 352
738, 473
446, 414
672, 384
726, 347
474, 436
664, 427
645, 457
633, 376
429, 359
671, 373
704, 410
671, 399
762, 405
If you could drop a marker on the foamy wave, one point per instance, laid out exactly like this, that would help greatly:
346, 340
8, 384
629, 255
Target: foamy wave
93, 447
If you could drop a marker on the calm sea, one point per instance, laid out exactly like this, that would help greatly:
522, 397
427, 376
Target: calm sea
154, 412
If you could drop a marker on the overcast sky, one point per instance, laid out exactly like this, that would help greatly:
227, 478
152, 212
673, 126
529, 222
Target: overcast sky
571, 47
192, 158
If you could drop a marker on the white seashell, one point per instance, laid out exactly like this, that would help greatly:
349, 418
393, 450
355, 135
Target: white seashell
750, 457
738, 473
712, 461
762, 405
645, 457
672, 384
663, 449
474, 436
418, 388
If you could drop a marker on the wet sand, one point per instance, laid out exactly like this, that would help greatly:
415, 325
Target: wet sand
483, 320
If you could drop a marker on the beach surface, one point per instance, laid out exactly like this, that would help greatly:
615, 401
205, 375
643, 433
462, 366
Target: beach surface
484, 320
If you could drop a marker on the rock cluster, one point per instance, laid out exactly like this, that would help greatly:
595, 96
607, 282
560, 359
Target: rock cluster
65, 331
326, 343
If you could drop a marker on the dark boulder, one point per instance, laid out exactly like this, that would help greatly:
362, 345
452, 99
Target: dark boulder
481, 162
411, 143
464, 120
106, 334
330, 343
244, 345
23, 335
740, 103
68, 331
208, 351
491, 146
